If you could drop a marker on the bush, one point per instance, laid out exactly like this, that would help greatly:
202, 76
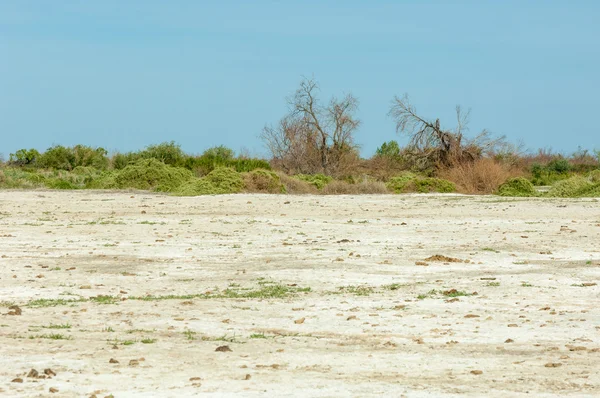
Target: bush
197, 187
85, 156
296, 186
595, 176
169, 153
121, 160
517, 187
362, 188
398, 183
219, 181
409, 182
559, 166
229, 180
573, 187
483, 176
24, 157
57, 157
147, 174
430, 184
263, 181
555, 170
318, 180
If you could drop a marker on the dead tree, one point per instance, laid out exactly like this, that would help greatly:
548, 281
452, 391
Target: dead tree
435, 145
313, 138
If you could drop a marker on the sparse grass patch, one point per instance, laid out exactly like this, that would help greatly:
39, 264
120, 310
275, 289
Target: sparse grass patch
189, 334
356, 290
258, 336
62, 326
53, 336
148, 341
104, 299
42, 303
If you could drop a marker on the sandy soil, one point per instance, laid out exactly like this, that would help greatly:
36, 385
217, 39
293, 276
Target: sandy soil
131, 294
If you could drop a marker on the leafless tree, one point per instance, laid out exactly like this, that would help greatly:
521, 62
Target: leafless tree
314, 138
438, 146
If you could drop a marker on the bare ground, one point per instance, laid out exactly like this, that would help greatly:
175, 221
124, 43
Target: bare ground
312, 295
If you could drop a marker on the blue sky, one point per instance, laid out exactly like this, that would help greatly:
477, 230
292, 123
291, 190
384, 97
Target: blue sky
125, 74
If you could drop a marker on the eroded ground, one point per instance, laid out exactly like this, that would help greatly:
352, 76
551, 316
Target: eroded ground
131, 294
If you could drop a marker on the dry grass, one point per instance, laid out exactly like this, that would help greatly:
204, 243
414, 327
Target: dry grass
296, 186
361, 188
483, 176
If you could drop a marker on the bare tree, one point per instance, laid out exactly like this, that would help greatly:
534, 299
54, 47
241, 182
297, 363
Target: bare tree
311, 137
438, 146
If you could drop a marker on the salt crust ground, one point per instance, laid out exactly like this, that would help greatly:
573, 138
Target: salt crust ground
373, 324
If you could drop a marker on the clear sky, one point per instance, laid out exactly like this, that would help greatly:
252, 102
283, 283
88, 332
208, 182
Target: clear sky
125, 74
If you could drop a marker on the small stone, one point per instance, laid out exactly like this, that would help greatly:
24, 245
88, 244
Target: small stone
17, 380
33, 373
195, 378
112, 360
509, 341
49, 372
351, 317
553, 365
471, 316
299, 321
513, 325
134, 362
223, 348
14, 310
247, 377
53, 390
476, 372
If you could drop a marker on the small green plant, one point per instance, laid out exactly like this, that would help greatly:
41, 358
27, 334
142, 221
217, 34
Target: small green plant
258, 336
189, 335
148, 341
493, 284
61, 326
526, 284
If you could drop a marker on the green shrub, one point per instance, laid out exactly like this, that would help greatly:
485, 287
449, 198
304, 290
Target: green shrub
226, 179
86, 156
595, 176
573, 187
197, 187
559, 166
121, 160
410, 182
263, 181
318, 180
517, 187
169, 153
147, 174
399, 183
57, 157
24, 157
219, 181
556, 170
430, 184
